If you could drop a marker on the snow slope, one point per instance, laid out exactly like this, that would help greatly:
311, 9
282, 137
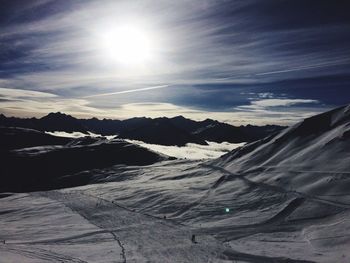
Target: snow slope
264, 221
281, 199
311, 157
71, 226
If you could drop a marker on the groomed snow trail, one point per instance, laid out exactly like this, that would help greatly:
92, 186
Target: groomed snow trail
141, 238
73, 226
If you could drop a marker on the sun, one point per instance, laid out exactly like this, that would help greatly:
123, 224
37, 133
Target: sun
127, 44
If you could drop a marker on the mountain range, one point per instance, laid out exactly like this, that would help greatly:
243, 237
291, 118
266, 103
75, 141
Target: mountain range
283, 198
165, 131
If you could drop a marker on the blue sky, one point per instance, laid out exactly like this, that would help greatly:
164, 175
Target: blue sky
236, 61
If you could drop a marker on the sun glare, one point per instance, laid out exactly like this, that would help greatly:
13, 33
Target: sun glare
127, 44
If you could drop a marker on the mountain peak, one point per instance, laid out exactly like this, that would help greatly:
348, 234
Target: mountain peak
57, 121
179, 117
57, 115
322, 122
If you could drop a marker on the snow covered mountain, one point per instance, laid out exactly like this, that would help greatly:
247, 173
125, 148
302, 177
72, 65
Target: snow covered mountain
311, 156
285, 198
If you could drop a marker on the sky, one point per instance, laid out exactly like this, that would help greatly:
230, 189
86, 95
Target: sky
241, 62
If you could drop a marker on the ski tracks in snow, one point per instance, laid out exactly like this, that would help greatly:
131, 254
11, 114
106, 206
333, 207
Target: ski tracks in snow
121, 246
39, 253
58, 196
141, 238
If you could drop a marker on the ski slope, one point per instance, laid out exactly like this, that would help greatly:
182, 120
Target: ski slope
71, 226
285, 198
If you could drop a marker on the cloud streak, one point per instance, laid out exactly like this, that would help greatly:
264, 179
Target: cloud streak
127, 91
31, 103
281, 102
208, 53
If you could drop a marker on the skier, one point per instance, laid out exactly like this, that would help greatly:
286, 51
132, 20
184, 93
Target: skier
193, 239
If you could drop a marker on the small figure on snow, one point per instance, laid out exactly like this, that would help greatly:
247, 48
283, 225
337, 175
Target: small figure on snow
193, 239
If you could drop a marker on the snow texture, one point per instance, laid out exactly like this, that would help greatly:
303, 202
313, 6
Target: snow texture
288, 197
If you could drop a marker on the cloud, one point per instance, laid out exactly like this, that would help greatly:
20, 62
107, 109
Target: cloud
127, 91
269, 95
267, 105
26, 103
281, 102
79, 134
242, 115
200, 42
192, 151
19, 94
304, 67
55, 48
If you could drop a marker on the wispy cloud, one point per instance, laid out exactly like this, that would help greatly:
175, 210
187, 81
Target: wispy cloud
24, 94
281, 108
27, 103
196, 47
55, 47
337, 62
127, 91
31, 103
280, 102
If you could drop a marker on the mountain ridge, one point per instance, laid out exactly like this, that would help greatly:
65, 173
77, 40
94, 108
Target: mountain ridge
313, 150
143, 128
